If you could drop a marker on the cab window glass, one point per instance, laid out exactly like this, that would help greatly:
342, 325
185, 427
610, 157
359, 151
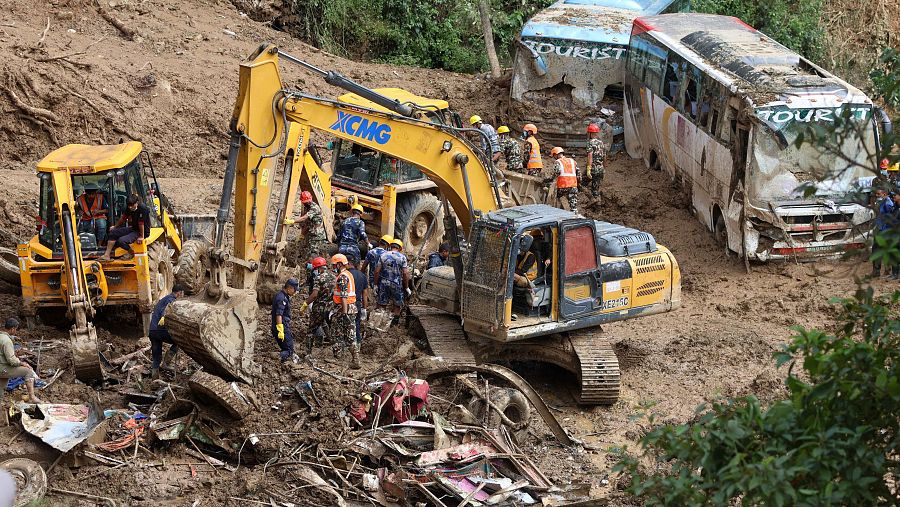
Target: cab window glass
581, 251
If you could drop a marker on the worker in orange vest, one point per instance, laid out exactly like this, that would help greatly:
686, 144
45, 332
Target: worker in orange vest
343, 324
532, 160
94, 212
566, 175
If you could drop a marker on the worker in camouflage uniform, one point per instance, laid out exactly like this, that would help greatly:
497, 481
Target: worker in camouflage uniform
343, 324
596, 155
392, 278
320, 301
512, 151
372, 258
313, 242
566, 175
352, 232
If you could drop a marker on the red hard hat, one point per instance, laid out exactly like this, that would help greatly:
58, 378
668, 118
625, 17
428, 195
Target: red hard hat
318, 262
593, 128
885, 163
305, 197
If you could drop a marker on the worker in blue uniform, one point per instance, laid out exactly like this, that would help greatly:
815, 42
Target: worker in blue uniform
281, 318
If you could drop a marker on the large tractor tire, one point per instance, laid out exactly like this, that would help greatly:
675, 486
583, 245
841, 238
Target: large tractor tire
415, 212
9, 266
162, 273
30, 479
192, 269
212, 388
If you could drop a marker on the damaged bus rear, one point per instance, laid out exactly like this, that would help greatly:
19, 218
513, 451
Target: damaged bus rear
731, 113
568, 66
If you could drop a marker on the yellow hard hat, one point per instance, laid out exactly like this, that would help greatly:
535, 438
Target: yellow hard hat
556, 150
356, 207
387, 238
336, 258
895, 167
397, 242
503, 129
474, 119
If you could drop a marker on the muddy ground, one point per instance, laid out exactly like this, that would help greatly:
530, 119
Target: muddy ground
172, 87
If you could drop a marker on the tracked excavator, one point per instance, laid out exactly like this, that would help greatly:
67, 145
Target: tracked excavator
493, 305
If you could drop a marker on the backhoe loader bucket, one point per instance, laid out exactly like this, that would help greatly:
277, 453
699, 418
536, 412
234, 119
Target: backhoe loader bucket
217, 333
84, 353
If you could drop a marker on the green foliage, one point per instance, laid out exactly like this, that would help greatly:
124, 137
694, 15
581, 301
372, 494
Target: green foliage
431, 33
831, 442
886, 78
794, 23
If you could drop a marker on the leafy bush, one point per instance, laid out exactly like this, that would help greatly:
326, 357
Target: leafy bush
832, 442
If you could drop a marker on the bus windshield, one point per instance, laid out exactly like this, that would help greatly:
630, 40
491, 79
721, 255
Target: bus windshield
831, 158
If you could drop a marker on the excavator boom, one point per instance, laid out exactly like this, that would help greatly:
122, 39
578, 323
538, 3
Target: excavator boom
217, 328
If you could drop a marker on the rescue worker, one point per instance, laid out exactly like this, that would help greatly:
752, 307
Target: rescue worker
352, 232
94, 212
373, 256
137, 220
281, 318
885, 215
532, 150
392, 278
344, 298
566, 175
596, 156
490, 143
319, 301
159, 334
360, 280
512, 151
440, 257
526, 268
12, 367
314, 241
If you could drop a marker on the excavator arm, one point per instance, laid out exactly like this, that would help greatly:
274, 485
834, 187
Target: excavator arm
217, 328
74, 283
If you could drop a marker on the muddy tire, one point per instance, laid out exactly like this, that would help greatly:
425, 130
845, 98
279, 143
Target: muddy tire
720, 231
30, 479
191, 269
210, 387
9, 266
162, 273
511, 401
415, 212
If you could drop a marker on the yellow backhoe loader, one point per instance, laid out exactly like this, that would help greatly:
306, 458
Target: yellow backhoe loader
589, 272
83, 191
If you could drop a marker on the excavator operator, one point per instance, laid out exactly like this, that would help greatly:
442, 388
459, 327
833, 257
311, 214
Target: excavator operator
533, 258
94, 212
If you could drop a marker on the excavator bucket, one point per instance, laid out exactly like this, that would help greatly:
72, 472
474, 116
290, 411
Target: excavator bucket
84, 353
218, 333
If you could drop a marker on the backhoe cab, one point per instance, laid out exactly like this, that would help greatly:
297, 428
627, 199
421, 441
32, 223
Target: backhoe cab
396, 196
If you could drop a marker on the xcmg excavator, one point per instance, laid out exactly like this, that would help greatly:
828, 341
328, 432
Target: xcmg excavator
588, 272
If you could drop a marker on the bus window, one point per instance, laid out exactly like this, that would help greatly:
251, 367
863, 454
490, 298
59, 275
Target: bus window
691, 92
707, 98
655, 62
674, 72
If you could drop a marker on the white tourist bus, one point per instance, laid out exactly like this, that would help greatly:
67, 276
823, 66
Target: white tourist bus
719, 106
568, 65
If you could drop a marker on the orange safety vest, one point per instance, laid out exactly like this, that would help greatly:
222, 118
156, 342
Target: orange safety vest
95, 210
534, 154
350, 295
568, 174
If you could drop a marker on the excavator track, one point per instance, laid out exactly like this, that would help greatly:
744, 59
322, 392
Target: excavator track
598, 367
444, 334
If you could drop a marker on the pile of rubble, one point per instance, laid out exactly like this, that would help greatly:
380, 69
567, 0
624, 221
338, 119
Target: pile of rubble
445, 436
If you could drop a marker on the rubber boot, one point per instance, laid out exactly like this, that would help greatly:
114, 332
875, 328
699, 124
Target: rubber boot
154, 373
354, 356
168, 357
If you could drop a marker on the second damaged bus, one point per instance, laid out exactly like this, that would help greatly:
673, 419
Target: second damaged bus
720, 106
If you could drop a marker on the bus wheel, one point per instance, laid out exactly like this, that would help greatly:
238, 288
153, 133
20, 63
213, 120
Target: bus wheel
654, 162
720, 231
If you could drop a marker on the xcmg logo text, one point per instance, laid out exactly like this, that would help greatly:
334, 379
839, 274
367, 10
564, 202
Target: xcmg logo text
364, 128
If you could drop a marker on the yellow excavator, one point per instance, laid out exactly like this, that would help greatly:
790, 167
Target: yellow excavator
588, 273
